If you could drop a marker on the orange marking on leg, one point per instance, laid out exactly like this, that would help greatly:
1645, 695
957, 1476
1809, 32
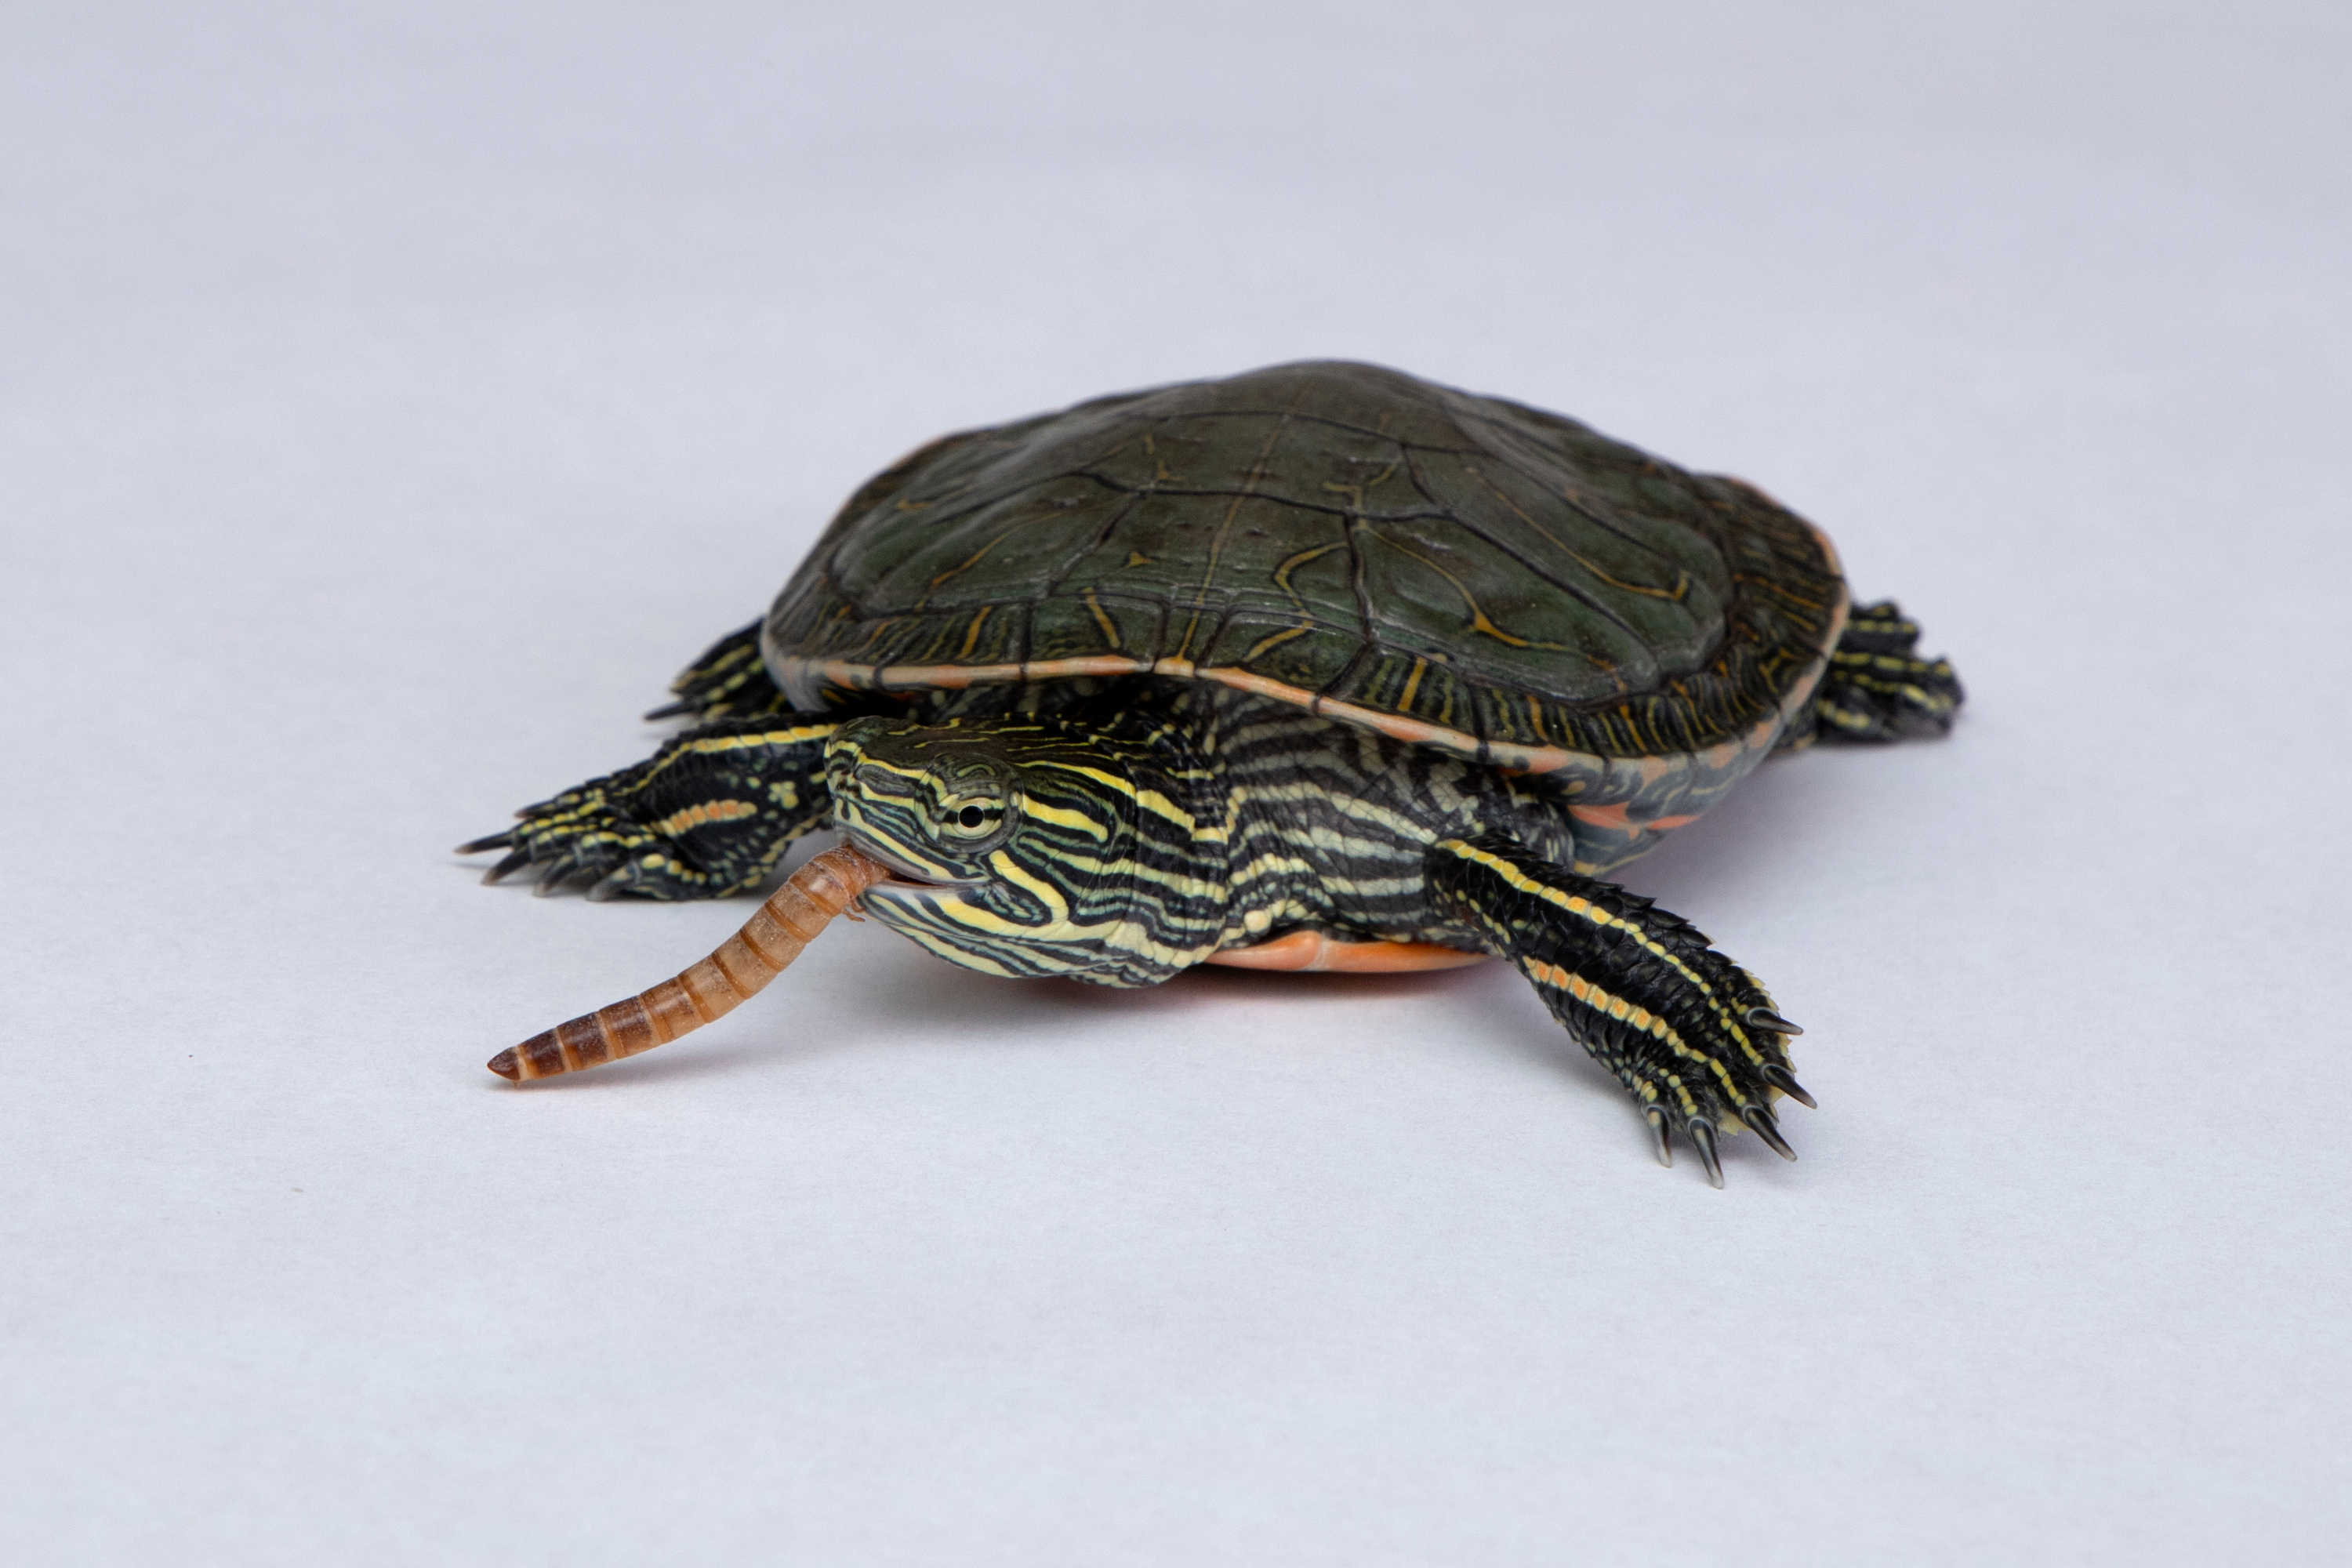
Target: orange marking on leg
693, 816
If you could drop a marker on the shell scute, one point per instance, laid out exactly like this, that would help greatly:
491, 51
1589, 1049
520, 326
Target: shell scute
1464, 570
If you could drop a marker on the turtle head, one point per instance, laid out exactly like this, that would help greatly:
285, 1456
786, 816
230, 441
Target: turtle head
1031, 846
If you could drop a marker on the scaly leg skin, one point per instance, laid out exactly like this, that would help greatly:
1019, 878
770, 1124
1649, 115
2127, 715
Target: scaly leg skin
707, 815
1877, 688
729, 681
1692, 1034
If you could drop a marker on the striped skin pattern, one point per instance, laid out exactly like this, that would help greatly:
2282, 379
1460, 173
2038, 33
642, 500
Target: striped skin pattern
1129, 837
1319, 651
1147, 825
708, 814
1090, 847
1125, 840
1642, 990
1877, 688
727, 681
711, 812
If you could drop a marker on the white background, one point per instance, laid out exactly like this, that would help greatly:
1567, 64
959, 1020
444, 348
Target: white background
395, 395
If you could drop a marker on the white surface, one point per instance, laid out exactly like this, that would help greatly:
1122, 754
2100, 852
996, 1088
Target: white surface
396, 395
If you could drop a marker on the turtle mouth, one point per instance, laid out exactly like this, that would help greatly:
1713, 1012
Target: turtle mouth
904, 876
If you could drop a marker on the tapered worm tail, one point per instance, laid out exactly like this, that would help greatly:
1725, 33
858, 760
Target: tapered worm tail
745, 962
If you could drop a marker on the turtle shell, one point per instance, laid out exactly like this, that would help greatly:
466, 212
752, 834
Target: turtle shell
1458, 571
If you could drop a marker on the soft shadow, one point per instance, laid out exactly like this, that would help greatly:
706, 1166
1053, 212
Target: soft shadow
922, 990
680, 1060
1770, 827
1759, 831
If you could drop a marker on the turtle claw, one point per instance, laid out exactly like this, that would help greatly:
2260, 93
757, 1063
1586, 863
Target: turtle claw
1701, 1133
1784, 1080
503, 839
671, 711
515, 860
1760, 1122
557, 875
1693, 1035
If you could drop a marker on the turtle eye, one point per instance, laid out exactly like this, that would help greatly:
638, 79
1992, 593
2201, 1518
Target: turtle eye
974, 817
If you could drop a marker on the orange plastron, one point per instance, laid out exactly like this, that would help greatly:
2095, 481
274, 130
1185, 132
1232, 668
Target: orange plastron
1311, 950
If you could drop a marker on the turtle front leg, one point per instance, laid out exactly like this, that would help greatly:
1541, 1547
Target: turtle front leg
1689, 1032
707, 815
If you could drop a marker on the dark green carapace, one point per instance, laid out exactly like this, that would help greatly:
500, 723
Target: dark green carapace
1319, 666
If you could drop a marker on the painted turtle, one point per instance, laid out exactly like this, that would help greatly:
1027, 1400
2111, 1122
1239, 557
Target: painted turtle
1317, 667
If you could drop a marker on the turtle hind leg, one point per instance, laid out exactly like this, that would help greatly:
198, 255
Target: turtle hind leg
707, 815
729, 680
1692, 1034
1877, 688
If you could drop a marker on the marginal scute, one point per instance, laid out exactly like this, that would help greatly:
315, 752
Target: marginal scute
1287, 648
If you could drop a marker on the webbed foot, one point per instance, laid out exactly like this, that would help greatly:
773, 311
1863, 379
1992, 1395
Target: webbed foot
707, 815
1877, 688
729, 680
